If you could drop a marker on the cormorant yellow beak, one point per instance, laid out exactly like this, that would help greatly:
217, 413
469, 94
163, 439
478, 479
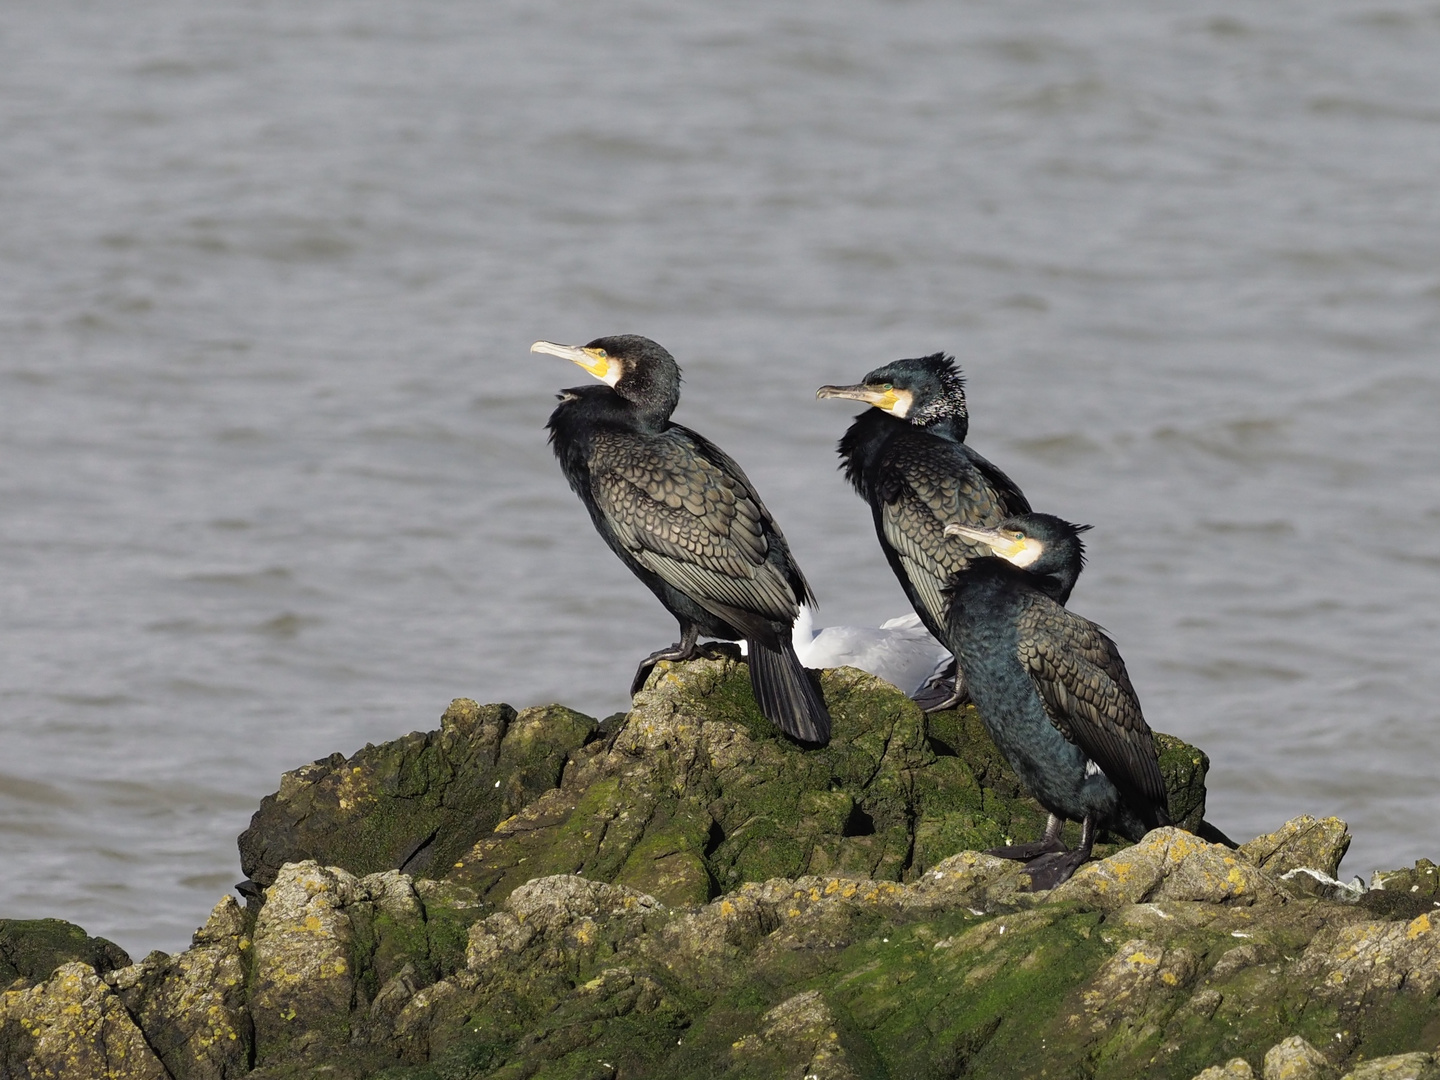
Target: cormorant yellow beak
1013, 547
596, 361
895, 402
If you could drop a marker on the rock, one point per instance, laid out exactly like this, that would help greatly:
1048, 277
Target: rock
1417, 1066
192, 1008
688, 895
798, 1037
1404, 894
71, 1026
697, 793
417, 802
1169, 864
1296, 1059
1302, 842
30, 949
304, 966
1234, 1069
1367, 959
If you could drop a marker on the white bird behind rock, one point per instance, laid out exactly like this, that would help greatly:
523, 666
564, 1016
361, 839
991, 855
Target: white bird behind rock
900, 651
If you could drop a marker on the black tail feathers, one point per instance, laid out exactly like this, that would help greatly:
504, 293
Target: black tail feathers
786, 695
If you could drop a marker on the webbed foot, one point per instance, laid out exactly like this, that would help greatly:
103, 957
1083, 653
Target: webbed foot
945, 691
1033, 850
684, 649
1047, 871
1049, 844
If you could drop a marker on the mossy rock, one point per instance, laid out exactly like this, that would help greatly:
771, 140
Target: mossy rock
31, 949
956, 974
683, 893
416, 802
696, 793
1405, 894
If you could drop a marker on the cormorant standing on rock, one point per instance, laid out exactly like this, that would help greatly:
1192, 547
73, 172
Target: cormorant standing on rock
686, 521
1053, 692
907, 458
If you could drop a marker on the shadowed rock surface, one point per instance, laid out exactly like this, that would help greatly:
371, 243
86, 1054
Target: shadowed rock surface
30, 949
683, 893
419, 800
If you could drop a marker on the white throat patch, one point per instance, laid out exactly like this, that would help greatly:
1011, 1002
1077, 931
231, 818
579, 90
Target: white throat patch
1030, 550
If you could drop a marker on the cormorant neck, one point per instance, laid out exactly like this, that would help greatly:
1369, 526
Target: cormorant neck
585, 409
1056, 582
651, 405
952, 426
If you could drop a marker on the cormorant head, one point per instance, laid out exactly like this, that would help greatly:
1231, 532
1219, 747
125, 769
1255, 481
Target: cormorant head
922, 391
1041, 544
637, 368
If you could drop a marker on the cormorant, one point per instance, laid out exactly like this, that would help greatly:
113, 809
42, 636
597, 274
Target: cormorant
683, 517
1053, 692
908, 459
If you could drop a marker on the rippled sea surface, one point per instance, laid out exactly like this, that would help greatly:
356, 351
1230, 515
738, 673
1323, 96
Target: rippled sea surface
273, 479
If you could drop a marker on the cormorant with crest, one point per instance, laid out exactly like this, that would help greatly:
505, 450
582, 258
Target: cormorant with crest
907, 457
684, 518
1053, 692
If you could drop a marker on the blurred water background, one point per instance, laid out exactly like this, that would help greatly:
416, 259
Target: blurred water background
273, 479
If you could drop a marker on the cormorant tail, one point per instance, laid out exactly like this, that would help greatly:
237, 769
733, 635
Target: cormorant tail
1210, 833
785, 694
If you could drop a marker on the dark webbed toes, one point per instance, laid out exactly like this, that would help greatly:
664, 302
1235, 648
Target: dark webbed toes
1026, 852
1047, 871
641, 674
684, 649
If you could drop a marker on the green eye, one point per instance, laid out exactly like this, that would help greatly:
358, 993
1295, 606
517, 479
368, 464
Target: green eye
601, 353
888, 386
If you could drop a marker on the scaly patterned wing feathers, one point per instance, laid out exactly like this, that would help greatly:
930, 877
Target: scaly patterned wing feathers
690, 520
1088, 695
927, 485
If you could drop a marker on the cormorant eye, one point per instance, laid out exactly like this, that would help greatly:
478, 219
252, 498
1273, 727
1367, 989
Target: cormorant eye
888, 386
601, 353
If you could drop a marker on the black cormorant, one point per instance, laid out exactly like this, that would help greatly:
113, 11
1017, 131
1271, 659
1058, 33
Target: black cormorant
1053, 692
908, 459
683, 517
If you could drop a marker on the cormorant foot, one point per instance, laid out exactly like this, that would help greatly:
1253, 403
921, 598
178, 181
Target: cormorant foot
684, 648
954, 701
678, 651
1050, 870
946, 692
1033, 850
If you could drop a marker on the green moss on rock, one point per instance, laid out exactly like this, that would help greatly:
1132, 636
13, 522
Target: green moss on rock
698, 793
30, 949
418, 802
691, 895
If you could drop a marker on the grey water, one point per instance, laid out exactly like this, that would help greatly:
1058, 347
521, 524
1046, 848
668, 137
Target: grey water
273, 474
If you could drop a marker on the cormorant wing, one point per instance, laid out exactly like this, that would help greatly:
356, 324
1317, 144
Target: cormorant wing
1088, 695
924, 486
692, 520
